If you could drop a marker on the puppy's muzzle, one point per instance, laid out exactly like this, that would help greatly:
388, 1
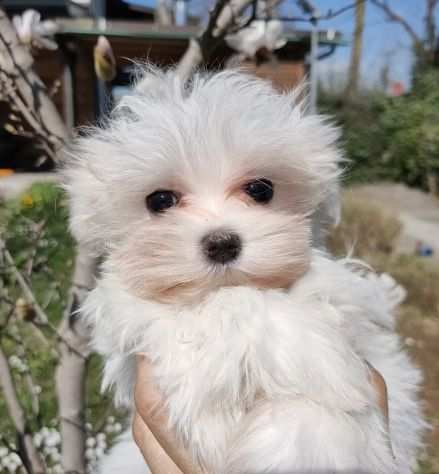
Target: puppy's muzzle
221, 246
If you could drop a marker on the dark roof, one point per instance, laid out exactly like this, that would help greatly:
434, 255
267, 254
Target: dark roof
146, 30
46, 7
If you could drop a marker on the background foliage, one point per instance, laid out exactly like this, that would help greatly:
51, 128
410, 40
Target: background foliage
34, 228
391, 138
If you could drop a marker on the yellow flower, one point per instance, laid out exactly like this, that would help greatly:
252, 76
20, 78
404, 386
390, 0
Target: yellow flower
27, 200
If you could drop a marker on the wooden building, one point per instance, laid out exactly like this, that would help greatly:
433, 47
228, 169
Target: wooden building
73, 63
70, 69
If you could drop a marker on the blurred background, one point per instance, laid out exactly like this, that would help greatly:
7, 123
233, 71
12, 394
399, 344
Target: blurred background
372, 65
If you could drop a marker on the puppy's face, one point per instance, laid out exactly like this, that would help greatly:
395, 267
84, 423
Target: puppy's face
187, 190
196, 235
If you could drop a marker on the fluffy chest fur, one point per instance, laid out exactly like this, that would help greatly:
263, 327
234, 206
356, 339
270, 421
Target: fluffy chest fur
221, 363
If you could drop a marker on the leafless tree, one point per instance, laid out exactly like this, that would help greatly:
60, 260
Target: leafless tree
424, 46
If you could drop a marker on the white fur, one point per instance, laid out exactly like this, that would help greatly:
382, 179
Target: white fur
261, 362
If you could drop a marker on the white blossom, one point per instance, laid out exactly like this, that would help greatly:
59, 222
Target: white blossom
260, 34
33, 32
90, 454
17, 364
91, 442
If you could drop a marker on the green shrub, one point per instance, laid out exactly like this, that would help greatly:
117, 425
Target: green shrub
34, 228
395, 138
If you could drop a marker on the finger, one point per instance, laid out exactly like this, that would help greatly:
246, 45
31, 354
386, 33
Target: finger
138, 430
379, 384
147, 398
155, 456
151, 411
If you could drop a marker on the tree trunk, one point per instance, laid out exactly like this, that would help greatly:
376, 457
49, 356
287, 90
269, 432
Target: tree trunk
430, 30
354, 67
71, 371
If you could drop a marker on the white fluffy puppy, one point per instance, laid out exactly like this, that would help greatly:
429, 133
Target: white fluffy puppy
200, 196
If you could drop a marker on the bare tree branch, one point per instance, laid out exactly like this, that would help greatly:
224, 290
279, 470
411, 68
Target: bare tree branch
393, 16
334, 13
329, 15
16, 63
222, 18
42, 319
23, 284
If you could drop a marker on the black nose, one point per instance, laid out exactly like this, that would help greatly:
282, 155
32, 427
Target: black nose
221, 246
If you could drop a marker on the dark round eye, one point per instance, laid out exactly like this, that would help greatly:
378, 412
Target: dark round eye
261, 190
160, 200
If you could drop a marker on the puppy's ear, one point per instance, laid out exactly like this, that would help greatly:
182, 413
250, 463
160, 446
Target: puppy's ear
316, 140
95, 164
157, 84
87, 194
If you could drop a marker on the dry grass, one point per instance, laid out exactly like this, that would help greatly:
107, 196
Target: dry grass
367, 232
364, 230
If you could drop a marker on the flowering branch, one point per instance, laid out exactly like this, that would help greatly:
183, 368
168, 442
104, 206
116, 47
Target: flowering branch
27, 450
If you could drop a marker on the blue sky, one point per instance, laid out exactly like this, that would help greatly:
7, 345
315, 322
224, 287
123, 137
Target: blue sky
383, 41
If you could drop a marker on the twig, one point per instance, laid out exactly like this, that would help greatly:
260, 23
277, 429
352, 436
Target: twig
36, 87
38, 228
329, 15
396, 17
332, 14
43, 320
23, 284
30, 97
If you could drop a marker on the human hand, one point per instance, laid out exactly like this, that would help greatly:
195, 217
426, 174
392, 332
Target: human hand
161, 450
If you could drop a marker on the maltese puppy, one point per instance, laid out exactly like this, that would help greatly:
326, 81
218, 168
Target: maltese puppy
200, 196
